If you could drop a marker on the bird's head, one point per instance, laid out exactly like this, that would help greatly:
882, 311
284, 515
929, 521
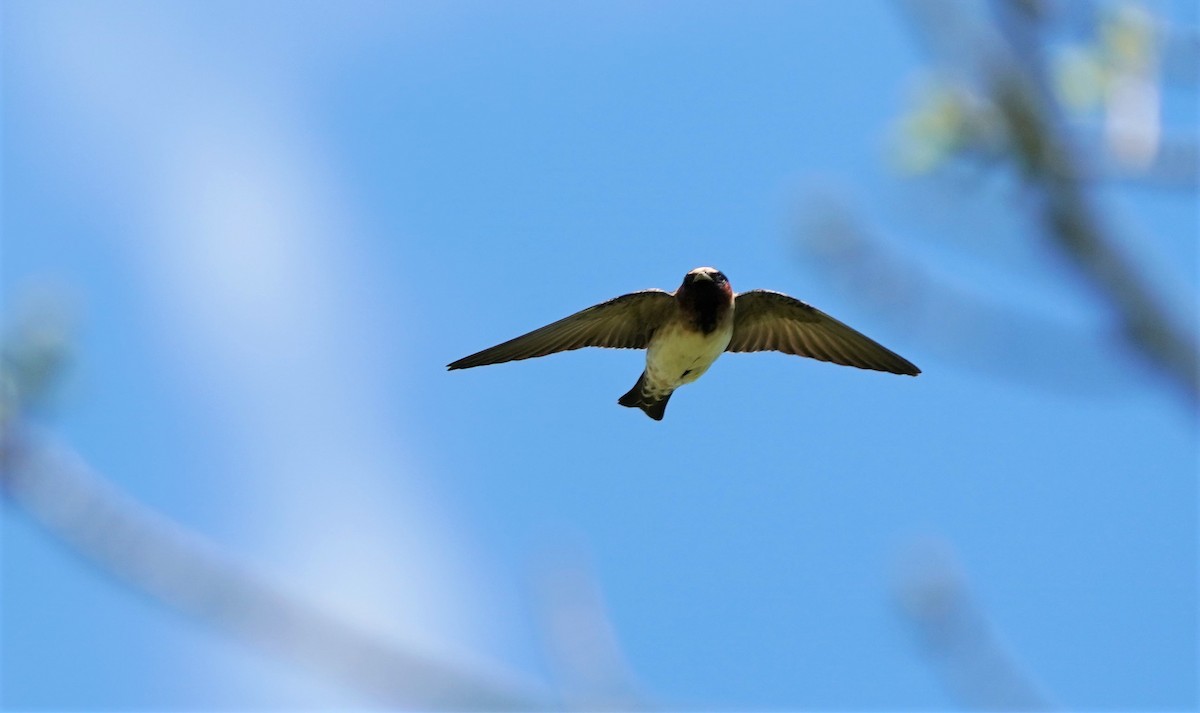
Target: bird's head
706, 279
705, 297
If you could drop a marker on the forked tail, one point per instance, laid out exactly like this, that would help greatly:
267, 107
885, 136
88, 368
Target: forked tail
640, 396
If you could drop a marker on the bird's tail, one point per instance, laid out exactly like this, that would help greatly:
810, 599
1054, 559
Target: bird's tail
641, 396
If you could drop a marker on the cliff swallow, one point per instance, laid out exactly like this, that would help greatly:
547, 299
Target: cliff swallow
683, 333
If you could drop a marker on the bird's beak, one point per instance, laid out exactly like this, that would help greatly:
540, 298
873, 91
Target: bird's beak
703, 276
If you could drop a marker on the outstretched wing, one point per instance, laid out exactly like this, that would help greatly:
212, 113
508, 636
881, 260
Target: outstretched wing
771, 321
625, 322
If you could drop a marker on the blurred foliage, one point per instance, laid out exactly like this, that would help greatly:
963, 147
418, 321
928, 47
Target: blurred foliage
1089, 74
948, 120
1011, 88
1113, 71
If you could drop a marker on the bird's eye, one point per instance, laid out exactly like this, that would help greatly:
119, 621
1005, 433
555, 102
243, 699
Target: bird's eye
720, 277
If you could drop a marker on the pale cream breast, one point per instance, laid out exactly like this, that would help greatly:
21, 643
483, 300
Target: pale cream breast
677, 355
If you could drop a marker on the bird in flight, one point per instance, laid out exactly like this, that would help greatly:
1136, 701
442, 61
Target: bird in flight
683, 333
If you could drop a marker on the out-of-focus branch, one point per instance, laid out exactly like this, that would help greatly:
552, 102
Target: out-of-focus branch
952, 321
1044, 152
1010, 66
968, 654
580, 639
154, 555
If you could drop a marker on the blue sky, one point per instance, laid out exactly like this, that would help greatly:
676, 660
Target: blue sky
276, 224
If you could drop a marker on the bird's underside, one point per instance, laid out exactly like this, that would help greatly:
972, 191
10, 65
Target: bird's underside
685, 331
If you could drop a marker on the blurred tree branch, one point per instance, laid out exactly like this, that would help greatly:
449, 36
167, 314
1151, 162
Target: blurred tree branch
932, 592
1007, 61
954, 322
996, 105
579, 636
154, 555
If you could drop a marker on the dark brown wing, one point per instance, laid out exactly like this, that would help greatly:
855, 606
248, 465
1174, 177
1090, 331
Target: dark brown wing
626, 322
772, 321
